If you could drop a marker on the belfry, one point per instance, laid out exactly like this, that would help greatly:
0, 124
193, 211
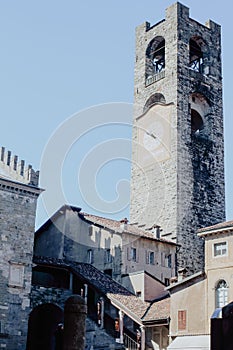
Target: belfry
178, 148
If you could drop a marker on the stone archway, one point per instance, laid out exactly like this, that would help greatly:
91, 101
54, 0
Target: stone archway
42, 325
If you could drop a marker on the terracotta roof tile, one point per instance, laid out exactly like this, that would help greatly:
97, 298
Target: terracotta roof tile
219, 226
117, 226
120, 296
159, 310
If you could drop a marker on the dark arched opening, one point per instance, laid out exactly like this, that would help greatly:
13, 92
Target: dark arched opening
198, 55
155, 56
42, 327
196, 122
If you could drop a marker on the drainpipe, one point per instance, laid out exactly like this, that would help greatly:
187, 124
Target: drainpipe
121, 324
71, 282
102, 312
143, 337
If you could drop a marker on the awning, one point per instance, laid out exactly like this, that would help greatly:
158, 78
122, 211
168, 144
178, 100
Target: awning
192, 342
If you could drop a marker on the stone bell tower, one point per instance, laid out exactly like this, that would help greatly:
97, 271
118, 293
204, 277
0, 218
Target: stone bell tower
178, 149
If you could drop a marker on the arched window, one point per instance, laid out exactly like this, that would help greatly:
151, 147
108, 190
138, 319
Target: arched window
197, 55
199, 114
156, 98
196, 122
221, 294
155, 56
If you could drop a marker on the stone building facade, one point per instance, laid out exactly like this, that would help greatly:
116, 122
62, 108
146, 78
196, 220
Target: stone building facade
18, 196
178, 153
113, 247
177, 187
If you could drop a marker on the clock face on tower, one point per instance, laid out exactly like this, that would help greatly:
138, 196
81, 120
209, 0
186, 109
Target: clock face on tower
153, 135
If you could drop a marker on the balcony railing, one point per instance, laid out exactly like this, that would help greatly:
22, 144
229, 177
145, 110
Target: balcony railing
152, 79
129, 343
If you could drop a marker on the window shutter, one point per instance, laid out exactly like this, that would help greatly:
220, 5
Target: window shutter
128, 254
162, 259
147, 257
105, 256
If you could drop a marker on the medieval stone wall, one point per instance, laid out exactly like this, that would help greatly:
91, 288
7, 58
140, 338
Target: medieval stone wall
17, 220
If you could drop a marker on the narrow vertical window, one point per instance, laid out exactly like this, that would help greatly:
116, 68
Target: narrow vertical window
168, 261
90, 259
108, 258
155, 57
195, 56
221, 294
133, 254
182, 320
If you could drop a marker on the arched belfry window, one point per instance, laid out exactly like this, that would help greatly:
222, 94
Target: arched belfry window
199, 115
197, 55
155, 56
197, 124
221, 295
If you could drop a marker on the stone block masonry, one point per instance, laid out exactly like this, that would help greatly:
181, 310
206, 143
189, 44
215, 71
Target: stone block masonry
177, 177
17, 224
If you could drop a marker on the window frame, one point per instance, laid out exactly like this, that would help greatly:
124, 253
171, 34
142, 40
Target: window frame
221, 294
90, 256
182, 320
168, 260
151, 253
133, 254
220, 244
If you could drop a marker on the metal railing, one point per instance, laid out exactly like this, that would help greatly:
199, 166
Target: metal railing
129, 343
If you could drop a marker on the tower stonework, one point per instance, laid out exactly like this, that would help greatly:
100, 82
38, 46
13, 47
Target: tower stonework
177, 178
18, 197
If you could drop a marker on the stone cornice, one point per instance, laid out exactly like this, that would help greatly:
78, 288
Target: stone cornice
17, 187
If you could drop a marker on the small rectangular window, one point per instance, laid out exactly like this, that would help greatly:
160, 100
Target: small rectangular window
133, 254
151, 258
1, 327
90, 259
168, 260
108, 257
182, 320
220, 249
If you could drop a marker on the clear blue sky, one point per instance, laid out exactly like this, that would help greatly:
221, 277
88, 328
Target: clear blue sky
60, 57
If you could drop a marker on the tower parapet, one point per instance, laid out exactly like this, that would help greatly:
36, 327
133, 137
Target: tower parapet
13, 168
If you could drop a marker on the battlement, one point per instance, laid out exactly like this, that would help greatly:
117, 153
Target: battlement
13, 168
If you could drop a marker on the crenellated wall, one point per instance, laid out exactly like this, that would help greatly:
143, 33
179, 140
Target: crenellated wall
13, 168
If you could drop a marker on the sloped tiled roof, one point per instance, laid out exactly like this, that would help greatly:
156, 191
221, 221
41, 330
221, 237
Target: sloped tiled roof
117, 226
159, 310
222, 226
133, 306
110, 224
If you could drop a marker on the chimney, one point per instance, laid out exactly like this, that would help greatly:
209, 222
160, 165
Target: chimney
124, 223
181, 274
156, 231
